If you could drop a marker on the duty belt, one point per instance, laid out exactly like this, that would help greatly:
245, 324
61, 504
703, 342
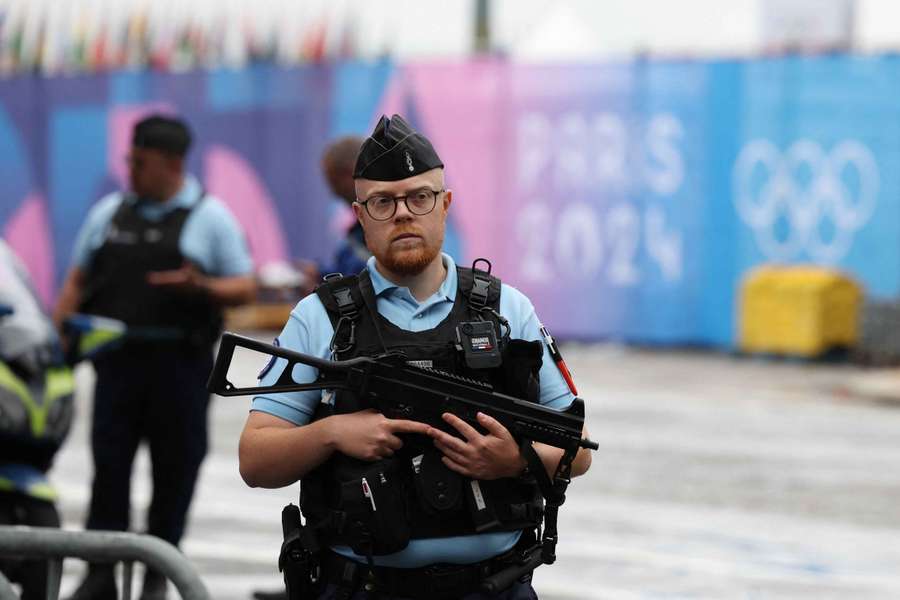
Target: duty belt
432, 582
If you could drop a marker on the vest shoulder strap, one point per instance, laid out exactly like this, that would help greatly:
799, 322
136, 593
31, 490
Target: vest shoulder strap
125, 208
341, 297
477, 286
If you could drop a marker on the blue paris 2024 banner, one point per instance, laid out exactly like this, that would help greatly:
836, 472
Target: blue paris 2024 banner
626, 199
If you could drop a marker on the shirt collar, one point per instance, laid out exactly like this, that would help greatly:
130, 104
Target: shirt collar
186, 196
382, 285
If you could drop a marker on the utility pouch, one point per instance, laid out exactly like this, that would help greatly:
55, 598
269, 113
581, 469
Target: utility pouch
300, 557
377, 521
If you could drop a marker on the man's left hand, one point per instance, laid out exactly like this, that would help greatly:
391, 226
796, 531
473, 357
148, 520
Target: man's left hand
478, 456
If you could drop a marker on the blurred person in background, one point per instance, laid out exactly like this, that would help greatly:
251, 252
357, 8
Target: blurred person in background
338, 160
412, 298
36, 408
163, 258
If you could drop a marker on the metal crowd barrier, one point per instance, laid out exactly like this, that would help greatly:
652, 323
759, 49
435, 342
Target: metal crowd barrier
6, 590
53, 545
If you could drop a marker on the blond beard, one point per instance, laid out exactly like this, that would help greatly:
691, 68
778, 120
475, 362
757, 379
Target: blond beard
411, 262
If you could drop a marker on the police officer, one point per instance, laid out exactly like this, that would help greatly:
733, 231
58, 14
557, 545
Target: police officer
164, 258
36, 408
386, 527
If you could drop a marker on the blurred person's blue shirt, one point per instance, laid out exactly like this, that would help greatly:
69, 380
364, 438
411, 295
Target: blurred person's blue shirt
211, 237
309, 331
351, 255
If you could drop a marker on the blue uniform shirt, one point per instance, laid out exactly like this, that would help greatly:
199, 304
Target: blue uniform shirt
309, 331
351, 255
211, 237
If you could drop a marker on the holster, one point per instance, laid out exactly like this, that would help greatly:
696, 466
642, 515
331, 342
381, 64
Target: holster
300, 559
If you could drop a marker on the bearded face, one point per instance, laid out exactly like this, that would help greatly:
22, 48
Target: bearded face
406, 243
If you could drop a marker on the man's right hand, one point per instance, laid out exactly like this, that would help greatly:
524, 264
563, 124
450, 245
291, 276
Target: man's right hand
275, 452
369, 435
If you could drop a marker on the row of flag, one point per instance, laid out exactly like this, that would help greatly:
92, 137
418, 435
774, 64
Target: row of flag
84, 36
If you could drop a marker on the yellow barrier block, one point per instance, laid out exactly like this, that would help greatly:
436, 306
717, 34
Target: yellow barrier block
798, 310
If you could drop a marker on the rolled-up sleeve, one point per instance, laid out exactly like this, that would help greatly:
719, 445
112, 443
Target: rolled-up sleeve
308, 330
230, 252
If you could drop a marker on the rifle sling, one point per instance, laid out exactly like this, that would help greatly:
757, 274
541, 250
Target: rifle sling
554, 493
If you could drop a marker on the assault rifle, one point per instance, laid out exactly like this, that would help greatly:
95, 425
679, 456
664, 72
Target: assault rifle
404, 391
407, 391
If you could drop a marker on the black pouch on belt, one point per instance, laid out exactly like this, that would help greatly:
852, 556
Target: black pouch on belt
377, 521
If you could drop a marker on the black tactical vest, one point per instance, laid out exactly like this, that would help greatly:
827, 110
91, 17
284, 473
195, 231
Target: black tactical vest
417, 496
116, 283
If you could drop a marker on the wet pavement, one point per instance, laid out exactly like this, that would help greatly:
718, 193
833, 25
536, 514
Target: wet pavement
717, 477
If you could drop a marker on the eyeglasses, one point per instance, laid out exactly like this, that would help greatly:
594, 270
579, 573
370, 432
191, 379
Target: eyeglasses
420, 202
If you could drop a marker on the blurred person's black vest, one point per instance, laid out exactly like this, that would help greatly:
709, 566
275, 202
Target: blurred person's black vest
117, 287
416, 495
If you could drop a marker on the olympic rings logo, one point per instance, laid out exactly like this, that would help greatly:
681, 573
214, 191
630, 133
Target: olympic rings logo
805, 199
